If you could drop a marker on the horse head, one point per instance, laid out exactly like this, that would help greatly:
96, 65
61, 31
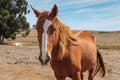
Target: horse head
46, 29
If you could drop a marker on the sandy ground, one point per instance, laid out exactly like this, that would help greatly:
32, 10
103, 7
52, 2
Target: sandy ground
21, 62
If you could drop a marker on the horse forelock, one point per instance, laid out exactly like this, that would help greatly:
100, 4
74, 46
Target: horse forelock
43, 14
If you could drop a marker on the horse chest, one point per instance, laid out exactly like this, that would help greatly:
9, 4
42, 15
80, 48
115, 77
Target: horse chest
63, 67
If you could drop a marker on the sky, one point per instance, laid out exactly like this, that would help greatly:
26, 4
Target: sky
100, 15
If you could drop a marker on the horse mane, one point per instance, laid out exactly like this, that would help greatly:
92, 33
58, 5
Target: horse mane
65, 38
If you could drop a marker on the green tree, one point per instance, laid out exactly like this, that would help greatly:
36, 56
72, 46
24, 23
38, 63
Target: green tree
12, 19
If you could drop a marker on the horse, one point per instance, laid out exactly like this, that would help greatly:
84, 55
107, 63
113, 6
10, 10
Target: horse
70, 54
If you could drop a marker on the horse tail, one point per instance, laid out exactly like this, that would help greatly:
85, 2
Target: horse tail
100, 65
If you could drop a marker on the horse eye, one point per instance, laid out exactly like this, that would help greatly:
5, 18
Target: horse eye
52, 30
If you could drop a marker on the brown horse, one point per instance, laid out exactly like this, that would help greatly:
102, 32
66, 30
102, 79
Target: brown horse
70, 54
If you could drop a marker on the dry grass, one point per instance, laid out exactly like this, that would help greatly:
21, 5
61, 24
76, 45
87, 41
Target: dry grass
105, 40
109, 47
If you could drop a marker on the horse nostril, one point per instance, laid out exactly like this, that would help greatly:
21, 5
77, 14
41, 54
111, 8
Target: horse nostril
40, 59
47, 59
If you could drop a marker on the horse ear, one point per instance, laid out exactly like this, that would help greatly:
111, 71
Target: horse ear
35, 11
54, 11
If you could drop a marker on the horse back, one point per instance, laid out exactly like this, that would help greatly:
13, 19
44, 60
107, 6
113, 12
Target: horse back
86, 35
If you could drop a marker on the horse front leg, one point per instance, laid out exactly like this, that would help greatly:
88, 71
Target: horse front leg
90, 76
76, 76
58, 77
81, 76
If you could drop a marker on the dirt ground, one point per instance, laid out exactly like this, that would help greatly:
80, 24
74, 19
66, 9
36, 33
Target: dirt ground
21, 62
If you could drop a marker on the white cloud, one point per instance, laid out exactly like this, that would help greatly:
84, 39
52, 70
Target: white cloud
100, 24
112, 10
83, 11
81, 3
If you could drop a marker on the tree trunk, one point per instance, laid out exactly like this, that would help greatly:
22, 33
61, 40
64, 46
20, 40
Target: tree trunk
1, 39
1, 34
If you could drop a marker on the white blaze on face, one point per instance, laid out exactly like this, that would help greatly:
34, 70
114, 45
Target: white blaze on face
44, 39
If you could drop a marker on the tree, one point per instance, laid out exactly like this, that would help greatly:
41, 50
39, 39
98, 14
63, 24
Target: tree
12, 19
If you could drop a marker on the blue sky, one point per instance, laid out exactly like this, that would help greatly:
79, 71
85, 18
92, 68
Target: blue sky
103, 15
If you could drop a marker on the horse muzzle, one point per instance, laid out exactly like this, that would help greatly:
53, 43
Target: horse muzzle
44, 62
